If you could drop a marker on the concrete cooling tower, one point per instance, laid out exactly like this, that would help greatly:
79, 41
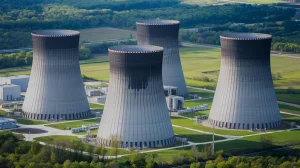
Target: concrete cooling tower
135, 110
245, 96
164, 33
55, 90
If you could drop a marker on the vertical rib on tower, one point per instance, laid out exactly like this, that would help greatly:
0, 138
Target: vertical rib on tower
164, 33
55, 89
245, 96
135, 109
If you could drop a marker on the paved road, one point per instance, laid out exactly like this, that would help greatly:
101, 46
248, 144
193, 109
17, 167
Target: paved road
290, 104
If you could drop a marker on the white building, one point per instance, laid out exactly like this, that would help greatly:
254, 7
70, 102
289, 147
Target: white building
10, 92
170, 90
100, 99
175, 103
7, 123
21, 80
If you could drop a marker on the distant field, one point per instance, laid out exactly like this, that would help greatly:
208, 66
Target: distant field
197, 61
96, 106
74, 124
105, 34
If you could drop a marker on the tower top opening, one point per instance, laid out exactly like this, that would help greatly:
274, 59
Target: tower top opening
55, 33
245, 36
135, 49
158, 22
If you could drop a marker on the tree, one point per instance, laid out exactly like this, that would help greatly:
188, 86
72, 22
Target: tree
67, 164
35, 148
150, 160
100, 151
195, 153
195, 165
115, 144
53, 157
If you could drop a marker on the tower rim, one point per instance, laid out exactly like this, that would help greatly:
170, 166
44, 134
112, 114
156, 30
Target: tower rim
55, 33
154, 22
246, 36
127, 49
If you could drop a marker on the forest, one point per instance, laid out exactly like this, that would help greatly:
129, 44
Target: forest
17, 153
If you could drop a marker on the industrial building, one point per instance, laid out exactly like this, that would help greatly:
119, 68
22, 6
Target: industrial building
175, 103
170, 90
55, 90
7, 123
164, 33
135, 110
245, 96
10, 92
21, 80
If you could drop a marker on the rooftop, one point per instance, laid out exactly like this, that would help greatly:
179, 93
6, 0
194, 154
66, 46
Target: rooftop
246, 36
2, 119
135, 49
8, 85
55, 33
16, 77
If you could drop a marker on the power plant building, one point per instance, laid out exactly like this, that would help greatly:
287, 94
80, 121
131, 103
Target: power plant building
245, 96
56, 89
21, 80
164, 33
10, 92
135, 110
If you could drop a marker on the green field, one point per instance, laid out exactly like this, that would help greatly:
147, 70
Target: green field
290, 118
290, 109
2, 113
290, 98
191, 124
105, 34
194, 136
30, 122
69, 139
96, 106
201, 93
240, 146
197, 62
74, 124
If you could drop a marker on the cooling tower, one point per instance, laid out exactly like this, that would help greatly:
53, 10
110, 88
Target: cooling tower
55, 89
164, 33
245, 96
135, 110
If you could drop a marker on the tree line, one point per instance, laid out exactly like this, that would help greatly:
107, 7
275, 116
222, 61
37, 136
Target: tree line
17, 153
18, 19
283, 33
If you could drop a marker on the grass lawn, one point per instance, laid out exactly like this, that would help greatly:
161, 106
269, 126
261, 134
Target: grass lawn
252, 143
191, 124
96, 106
201, 93
3, 113
290, 118
240, 146
194, 136
105, 34
30, 122
196, 61
290, 98
290, 109
53, 138
74, 124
